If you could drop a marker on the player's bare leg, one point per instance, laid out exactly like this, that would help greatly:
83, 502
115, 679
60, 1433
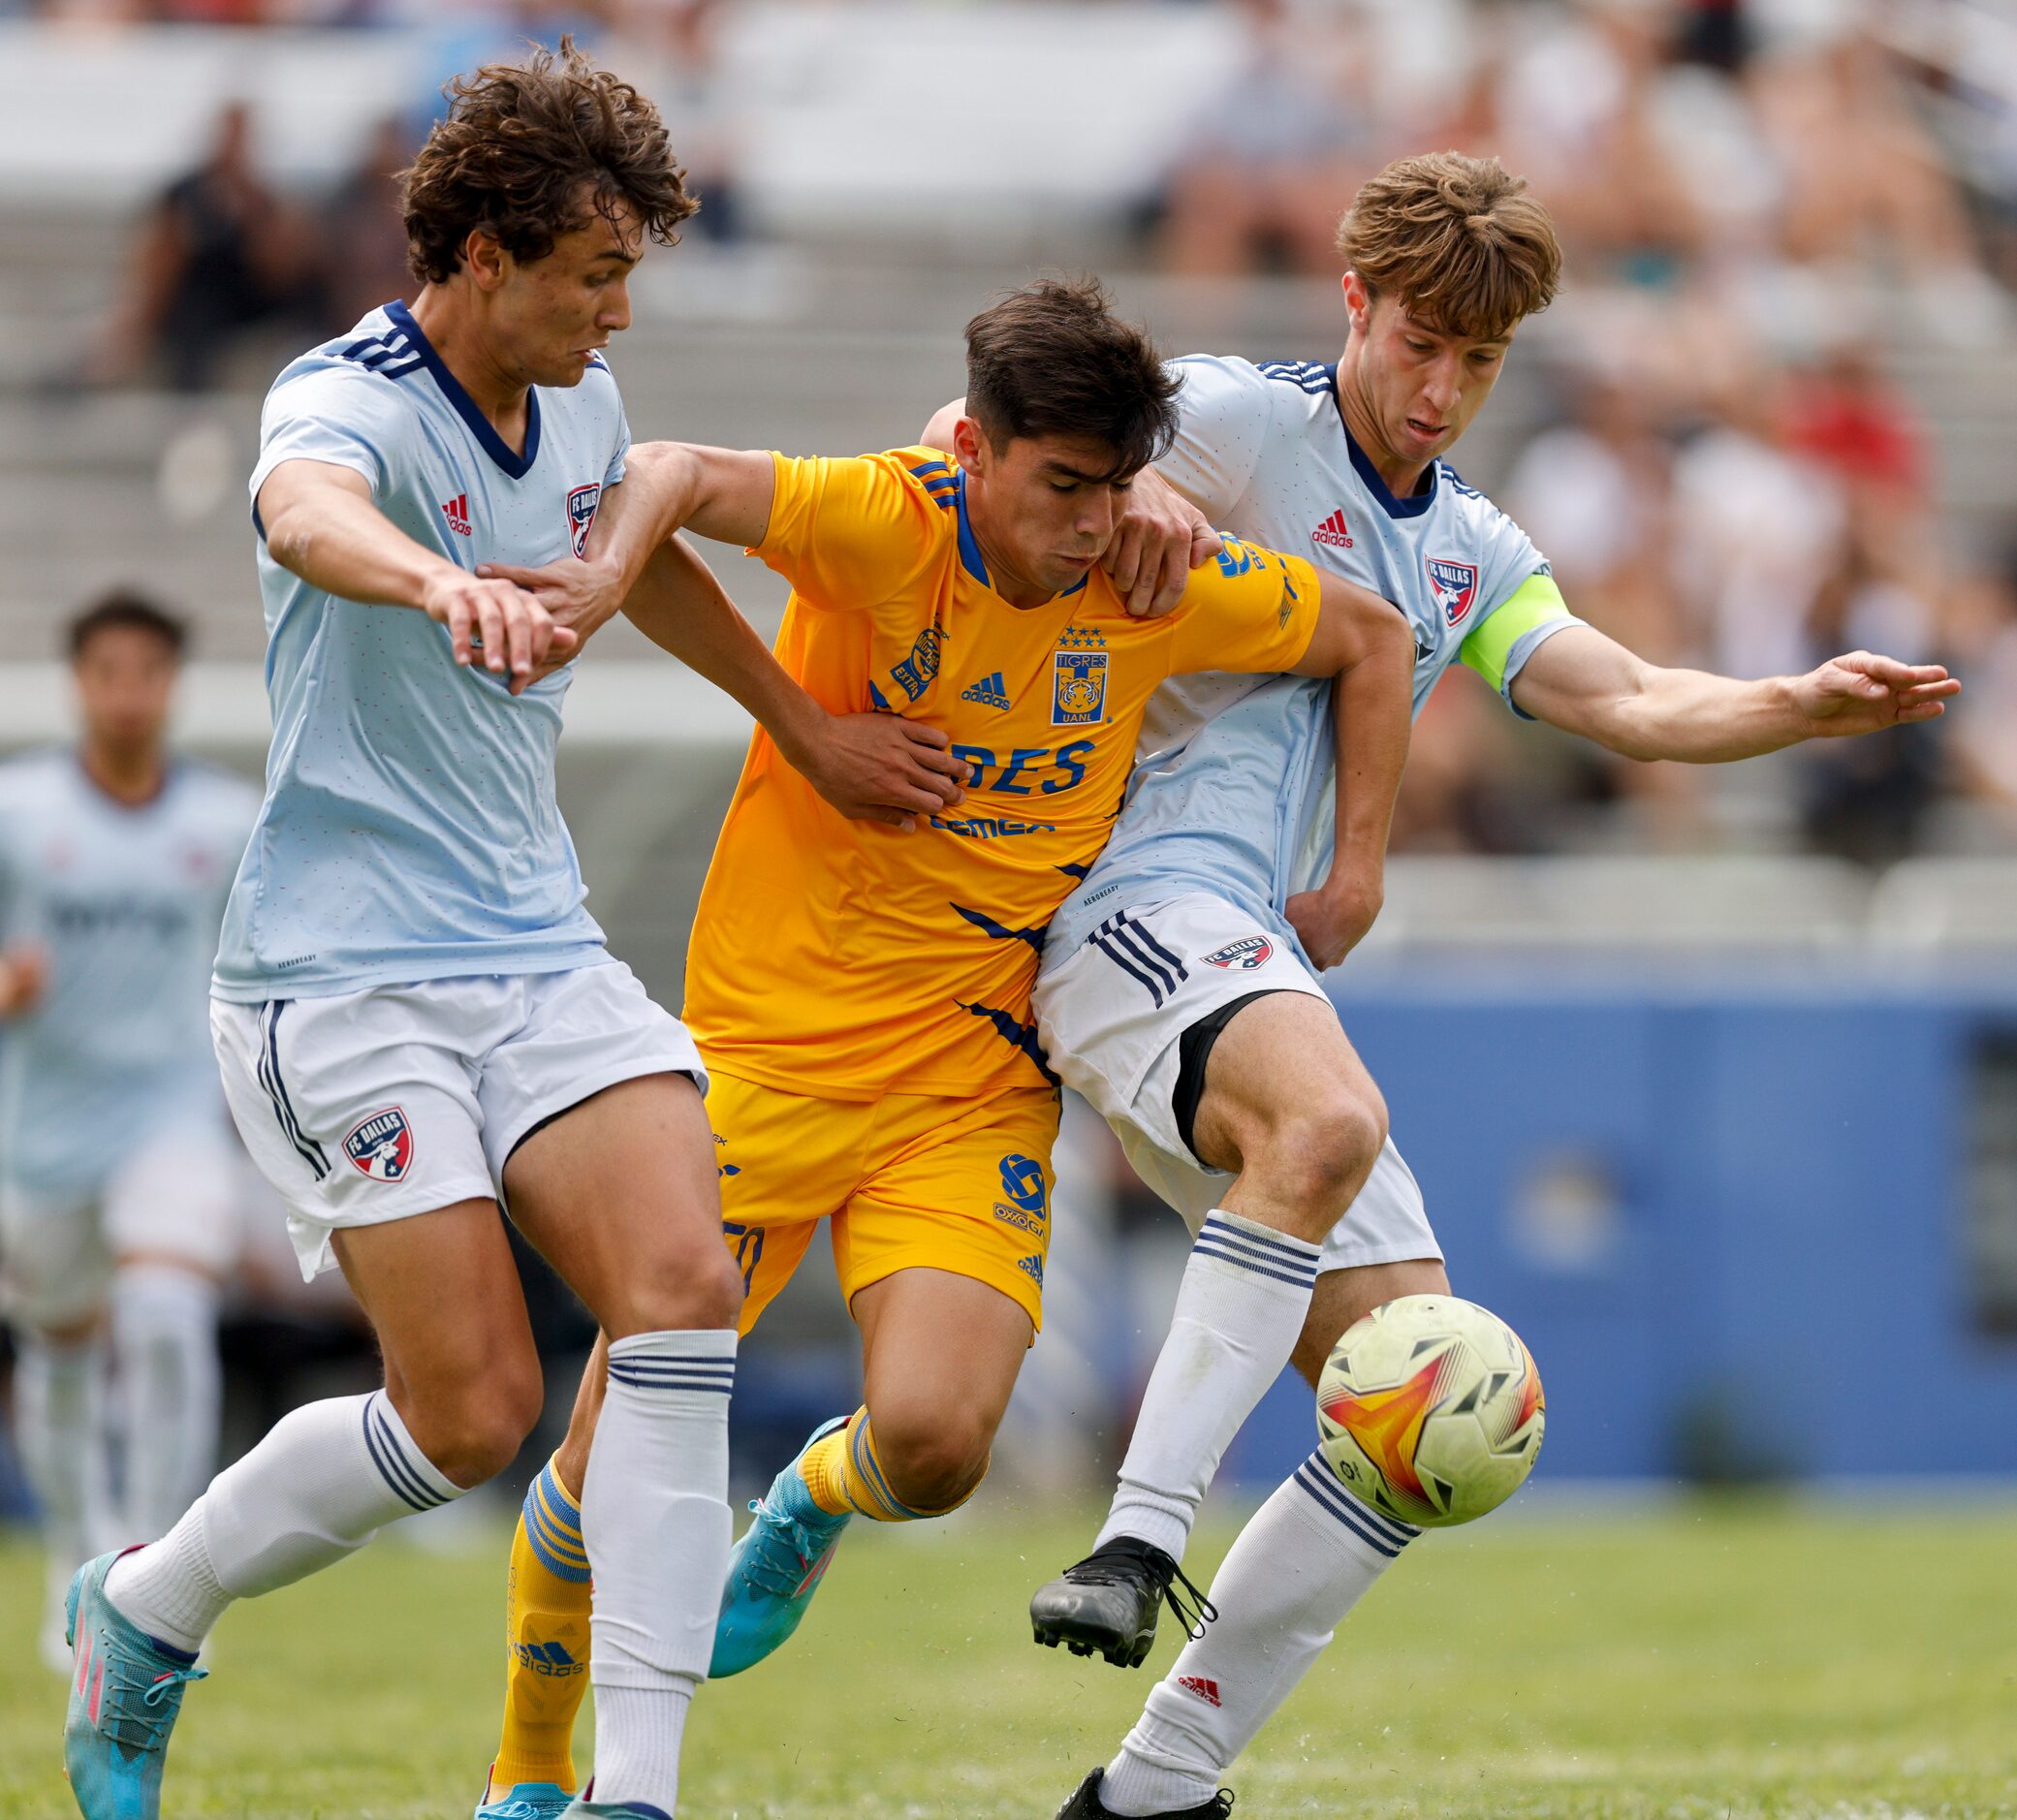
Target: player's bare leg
1305, 1558
941, 1351
1288, 1105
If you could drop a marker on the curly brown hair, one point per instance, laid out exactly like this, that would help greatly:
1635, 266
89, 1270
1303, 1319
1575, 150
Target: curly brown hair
1456, 240
518, 149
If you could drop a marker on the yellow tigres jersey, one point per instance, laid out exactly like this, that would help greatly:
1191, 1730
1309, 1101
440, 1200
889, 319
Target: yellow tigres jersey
849, 958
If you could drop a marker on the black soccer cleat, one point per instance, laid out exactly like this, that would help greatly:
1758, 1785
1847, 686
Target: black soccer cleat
1111, 1601
1086, 1805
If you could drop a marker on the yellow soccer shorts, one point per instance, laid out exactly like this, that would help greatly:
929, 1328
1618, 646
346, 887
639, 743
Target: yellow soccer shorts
907, 1180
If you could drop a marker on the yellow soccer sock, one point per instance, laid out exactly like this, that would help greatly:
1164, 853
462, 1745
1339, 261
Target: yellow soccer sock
546, 1634
843, 1473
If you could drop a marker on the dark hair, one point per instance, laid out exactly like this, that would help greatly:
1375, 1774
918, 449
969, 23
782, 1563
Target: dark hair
1052, 359
518, 145
123, 606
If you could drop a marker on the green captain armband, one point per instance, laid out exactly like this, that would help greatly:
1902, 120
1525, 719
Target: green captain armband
1504, 640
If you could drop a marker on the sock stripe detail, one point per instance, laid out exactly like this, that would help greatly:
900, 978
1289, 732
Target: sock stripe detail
564, 1511
861, 1451
1289, 1249
390, 1457
663, 1375
553, 1529
1368, 1526
1400, 1533
561, 1566
1211, 1248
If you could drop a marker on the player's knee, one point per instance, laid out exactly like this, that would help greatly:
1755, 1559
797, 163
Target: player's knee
472, 1429
694, 1288
933, 1463
1317, 1154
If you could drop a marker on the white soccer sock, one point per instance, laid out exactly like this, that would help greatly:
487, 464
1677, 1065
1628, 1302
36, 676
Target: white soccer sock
655, 1523
59, 1427
1306, 1557
164, 1349
1244, 1296
318, 1488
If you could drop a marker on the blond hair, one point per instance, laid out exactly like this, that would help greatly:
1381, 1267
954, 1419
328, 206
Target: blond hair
1456, 240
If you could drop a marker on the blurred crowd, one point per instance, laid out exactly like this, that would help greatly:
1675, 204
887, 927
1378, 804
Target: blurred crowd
1791, 226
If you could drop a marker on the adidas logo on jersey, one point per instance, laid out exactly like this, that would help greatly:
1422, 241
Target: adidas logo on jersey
1332, 531
457, 513
989, 692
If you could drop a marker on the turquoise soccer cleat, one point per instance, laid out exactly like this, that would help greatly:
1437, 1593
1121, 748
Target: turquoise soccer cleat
776, 1569
526, 1801
124, 1695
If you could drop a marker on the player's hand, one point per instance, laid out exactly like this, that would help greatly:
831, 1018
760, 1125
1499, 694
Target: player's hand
1160, 539
1864, 693
514, 633
580, 594
881, 768
24, 971
1332, 922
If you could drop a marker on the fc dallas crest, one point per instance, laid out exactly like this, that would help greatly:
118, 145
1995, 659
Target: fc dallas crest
1455, 585
381, 1145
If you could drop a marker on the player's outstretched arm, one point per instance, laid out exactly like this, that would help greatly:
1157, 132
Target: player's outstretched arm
320, 523
873, 767
720, 492
1365, 643
1587, 684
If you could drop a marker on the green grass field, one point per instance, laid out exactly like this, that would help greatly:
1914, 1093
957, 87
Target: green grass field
1690, 1662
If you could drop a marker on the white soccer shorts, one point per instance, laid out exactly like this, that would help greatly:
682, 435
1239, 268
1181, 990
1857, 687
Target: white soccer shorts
373, 1106
1109, 1015
177, 1193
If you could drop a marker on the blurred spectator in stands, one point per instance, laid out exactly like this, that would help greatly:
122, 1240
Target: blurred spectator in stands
1758, 527
1862, 179
362, 241
1871, 807
1563, 96
676, 48
218, 254
1982, 622
1271, 168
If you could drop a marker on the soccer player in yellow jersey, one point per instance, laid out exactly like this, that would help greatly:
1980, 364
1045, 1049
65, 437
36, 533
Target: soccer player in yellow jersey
862, 996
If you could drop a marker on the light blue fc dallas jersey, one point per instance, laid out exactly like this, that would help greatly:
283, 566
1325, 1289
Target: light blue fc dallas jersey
124, 904
410, 829
1232, 788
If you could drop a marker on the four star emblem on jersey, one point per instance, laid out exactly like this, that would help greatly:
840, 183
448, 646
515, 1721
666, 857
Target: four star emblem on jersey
381, 1147
1455, 585
581, 514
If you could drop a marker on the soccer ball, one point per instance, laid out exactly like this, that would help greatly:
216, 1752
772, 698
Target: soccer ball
1430, 1409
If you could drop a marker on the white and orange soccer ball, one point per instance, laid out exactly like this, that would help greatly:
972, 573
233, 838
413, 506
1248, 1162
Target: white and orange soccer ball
1431, 1410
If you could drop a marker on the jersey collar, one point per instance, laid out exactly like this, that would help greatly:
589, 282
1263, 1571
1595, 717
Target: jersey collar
515, 466
970, 557
1415, 504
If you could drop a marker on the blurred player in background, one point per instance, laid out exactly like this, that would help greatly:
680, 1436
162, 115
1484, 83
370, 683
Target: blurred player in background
1180, 990
414, 1012
119, 1180
862, 998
